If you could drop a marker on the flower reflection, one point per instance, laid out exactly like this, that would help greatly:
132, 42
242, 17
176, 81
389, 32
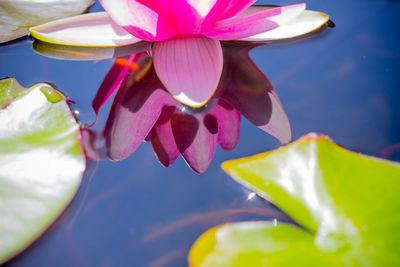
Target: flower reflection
144, 110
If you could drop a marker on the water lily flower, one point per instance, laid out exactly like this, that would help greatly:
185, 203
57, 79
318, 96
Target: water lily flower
186, 35
144, 110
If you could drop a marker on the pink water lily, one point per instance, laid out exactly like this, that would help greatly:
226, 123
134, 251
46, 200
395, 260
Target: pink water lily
186, 35
143, 110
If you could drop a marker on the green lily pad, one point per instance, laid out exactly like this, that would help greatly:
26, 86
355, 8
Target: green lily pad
16, 16
41, 162
347, 203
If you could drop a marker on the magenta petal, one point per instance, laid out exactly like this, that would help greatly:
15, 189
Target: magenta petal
234, 7
247, 90
138, 19
186, 16
189, 67
116, 75
135, 110
196, 138
228, 120
162, 138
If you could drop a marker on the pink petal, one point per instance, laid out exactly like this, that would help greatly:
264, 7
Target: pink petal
162, 138
184, 16
135, 110
188, 16
116, 75
138, 19
189, 67
196, 138
234, 7
247, 90
287, 13
228, 120
253, 21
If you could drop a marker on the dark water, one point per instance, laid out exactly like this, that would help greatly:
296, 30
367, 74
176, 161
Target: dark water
344, 83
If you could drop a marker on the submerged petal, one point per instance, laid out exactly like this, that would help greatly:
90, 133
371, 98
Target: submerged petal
138, 19
189, 67
253, 21
196, 138
94, 29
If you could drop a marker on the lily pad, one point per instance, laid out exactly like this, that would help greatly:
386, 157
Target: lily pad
41, 162
346, 203
16, 16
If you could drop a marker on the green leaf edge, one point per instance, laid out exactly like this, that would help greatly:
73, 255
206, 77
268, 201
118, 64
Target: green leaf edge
205, 243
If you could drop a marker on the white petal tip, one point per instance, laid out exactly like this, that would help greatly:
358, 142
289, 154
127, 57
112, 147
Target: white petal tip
93, 29
306, 22
184, 99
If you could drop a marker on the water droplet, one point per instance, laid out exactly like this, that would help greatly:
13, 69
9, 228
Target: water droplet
251, 195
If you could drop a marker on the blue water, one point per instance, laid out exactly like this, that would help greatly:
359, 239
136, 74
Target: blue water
344, 83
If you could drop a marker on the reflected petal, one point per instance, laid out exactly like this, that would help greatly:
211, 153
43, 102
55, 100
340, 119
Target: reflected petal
278, 125
113, 79
83, 53
247, 89
138, 19
196, 138
88, 141
228, 120
135, 110
94, 29
189, 67
162, 138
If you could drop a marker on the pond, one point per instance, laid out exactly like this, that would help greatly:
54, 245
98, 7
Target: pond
343, 83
